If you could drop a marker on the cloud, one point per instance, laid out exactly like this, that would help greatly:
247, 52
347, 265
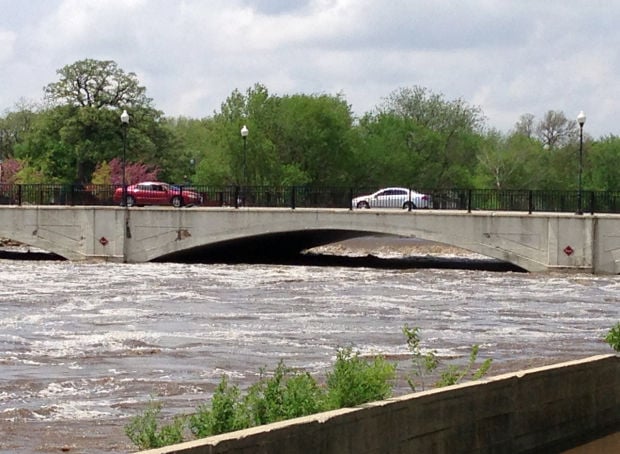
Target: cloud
509, 58
7, 43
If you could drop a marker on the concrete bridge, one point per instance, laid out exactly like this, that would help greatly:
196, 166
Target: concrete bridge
536, 242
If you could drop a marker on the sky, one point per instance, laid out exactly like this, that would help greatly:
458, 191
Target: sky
508, 57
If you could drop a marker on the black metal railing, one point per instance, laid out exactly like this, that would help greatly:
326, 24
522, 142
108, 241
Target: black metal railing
326, 197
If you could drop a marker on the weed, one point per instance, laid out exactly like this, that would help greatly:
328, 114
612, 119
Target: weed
287, 393
613, 337
427, 363
422, 363
355, 381
143, 429
223, 415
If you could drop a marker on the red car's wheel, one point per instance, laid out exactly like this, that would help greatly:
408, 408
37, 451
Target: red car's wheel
177, 202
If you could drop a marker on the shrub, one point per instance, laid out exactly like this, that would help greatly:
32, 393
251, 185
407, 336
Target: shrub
613, 337
427, 363
143, 429
422, 363
222, 415
287, 394
454, 374
355, 381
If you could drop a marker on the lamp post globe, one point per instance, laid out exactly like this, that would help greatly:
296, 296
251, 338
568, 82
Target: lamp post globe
581, 119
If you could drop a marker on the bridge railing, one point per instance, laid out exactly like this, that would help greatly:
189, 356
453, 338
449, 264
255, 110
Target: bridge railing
324, 197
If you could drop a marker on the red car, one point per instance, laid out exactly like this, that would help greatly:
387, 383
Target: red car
158, 193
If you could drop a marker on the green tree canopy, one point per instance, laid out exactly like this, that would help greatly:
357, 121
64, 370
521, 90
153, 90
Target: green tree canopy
98, 84
292, 140
81, 127
602, 164
433, 141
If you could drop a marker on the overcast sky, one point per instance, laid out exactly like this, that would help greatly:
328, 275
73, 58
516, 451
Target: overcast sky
509, 57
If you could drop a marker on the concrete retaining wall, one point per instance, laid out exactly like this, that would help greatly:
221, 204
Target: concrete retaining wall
547, 409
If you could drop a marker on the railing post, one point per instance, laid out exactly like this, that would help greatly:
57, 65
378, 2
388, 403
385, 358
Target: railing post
530, 202
592, 202
19, 194
236, 196
469, 200
350, 199
293, 197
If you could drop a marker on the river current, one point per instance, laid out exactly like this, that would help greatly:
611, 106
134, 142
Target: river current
84, 347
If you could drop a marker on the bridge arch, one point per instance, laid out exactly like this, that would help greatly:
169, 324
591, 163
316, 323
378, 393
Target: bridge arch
302, 229
534, 242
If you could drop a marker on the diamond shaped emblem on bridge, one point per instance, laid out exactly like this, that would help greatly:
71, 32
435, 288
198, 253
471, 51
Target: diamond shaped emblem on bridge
568, 250
103, 240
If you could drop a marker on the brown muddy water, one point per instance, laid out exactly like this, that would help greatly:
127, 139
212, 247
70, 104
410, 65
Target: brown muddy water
84, 347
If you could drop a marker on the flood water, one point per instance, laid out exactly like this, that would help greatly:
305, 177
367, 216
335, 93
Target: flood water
84, 347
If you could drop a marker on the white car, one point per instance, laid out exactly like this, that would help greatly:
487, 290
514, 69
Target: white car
393, 198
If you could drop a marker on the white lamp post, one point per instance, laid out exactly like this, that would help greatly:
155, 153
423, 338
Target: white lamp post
581, 119
124, 124
244, 135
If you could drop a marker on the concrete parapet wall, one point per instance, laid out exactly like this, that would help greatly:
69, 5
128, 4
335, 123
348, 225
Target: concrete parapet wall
546, 409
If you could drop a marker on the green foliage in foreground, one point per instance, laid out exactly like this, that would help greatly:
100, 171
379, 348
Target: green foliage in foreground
613, 337
427, 363
287, 393
145, 433
355, 381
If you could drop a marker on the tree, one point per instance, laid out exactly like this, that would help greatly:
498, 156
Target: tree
98, 84
441, 136
9, 170
510, 162
525, 125
382, 154
81, 128
14, 126
311, 136
555, 130
111, 173
602, 165
191, 147
293, 140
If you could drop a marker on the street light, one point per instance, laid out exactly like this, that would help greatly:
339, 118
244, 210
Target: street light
244, 134
241, 198
581, 119
124, 124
